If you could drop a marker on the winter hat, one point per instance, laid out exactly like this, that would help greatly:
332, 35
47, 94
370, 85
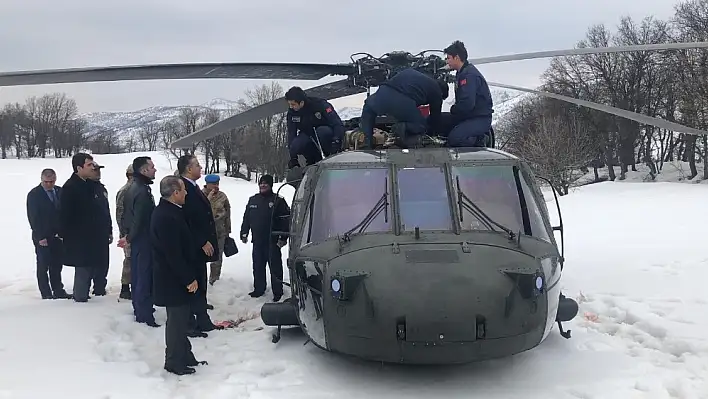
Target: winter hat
266, 179
211, 179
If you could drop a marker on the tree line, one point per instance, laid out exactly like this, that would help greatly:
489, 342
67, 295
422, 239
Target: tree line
50, 125
563, 141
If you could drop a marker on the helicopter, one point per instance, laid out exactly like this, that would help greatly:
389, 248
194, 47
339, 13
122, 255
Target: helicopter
420, 255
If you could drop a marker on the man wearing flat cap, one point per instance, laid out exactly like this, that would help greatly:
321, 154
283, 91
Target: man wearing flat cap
263, 210
221, 209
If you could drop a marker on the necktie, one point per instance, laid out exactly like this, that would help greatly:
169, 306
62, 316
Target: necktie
53, 196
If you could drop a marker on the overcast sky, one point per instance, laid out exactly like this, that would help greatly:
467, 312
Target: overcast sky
39, 34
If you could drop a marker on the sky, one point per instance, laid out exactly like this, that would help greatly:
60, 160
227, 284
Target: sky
46, 34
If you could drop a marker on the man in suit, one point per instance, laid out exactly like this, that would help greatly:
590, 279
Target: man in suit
197, 210
100, 272
175, 270
43, 216
84, 224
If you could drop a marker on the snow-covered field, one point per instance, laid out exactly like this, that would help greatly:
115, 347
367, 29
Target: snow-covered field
634, 261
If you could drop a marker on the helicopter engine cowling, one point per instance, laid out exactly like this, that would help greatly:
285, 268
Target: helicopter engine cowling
466, 311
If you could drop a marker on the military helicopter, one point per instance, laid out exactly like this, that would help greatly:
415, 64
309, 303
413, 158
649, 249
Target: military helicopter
422, 255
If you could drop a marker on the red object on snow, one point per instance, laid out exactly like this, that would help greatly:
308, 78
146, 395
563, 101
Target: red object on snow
425, 110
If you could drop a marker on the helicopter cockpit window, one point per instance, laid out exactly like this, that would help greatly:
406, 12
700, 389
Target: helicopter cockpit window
538, 228
424, 199
344, 197
493, 189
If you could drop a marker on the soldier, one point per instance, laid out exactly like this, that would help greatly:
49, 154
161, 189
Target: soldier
125, 273
221, 209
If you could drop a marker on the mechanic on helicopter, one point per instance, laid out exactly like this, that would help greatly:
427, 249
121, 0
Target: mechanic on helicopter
400, 97
313, 124
469, 123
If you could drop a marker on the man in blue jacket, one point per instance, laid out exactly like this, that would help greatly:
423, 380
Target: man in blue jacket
312, 122
400, 97
470, 118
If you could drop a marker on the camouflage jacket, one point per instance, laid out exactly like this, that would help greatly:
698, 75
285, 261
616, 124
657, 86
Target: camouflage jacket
221, 208
119, 207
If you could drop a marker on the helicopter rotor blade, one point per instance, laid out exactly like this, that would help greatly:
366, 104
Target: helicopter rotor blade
645, 119
587, 50
328, 91
249, 70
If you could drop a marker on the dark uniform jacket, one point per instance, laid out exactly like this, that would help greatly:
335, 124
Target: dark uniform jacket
421, 88
197, 210
472, 96
43, 214
138, 205
174, 256
84, 223
315, 113
261, 211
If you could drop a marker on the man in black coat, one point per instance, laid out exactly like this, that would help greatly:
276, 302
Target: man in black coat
197, 210
43, 216
138, 205
175, 271
100, 272
83, 225
263, 210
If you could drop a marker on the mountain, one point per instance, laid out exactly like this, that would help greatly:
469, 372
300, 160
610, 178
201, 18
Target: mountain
128, 122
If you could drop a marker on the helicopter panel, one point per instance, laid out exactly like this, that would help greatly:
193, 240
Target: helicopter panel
423, 199
344, 197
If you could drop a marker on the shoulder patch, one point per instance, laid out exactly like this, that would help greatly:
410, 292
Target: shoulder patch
463, 82
329, 110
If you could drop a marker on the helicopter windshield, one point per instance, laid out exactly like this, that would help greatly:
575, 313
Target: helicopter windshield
344, 197
424, 200
493, 189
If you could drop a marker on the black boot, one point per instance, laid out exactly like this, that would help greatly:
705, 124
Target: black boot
125, 292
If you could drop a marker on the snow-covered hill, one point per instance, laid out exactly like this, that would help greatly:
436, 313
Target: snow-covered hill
127, 122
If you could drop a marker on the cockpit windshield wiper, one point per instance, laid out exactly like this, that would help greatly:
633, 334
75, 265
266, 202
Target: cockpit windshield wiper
381, 205
465, 203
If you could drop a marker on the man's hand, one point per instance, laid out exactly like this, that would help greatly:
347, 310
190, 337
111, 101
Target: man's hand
208, 249
210, 194
192, 287
281, 243
244, 239
122, 242
43, 242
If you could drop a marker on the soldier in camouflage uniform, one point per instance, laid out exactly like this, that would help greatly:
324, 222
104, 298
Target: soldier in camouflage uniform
125, 274
221, 209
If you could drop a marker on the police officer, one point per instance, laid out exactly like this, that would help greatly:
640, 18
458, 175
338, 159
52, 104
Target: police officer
263, 209
470, 118
400, 97
312, 122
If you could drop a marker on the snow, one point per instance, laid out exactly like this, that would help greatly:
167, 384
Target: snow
634, 262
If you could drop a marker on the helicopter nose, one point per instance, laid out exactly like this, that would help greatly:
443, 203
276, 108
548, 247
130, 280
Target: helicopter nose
430, 305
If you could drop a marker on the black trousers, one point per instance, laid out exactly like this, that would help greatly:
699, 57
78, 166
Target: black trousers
178, 349
201, 319
49, 266
100, 269
267, 253
82, 282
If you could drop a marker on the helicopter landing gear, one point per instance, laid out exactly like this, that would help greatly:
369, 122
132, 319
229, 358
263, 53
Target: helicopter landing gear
276, 335
567, 310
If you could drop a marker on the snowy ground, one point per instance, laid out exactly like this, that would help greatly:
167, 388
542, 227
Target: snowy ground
633, 260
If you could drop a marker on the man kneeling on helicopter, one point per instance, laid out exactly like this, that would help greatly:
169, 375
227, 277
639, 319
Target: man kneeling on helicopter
314, 127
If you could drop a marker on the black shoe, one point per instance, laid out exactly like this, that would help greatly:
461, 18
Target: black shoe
197, 363
63, 295
125, 292
48, 297
181, 370
197, 334
255, 294
152, 324
99, 293
210, 328
210, 307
